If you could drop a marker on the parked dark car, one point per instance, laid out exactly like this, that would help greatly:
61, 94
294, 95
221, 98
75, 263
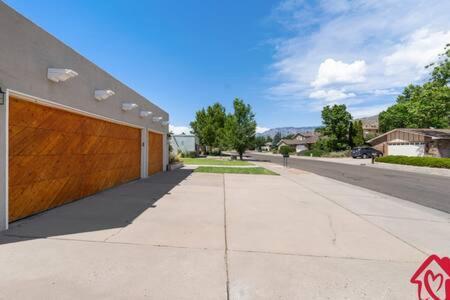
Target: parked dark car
365, 152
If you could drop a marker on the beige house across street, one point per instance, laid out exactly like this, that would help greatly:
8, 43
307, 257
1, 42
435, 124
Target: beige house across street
414, 142
300, 142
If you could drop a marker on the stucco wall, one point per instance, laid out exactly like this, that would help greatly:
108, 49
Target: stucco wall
182, 143
26, 53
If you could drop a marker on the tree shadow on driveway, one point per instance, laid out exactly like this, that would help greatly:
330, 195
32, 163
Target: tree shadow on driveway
105, 211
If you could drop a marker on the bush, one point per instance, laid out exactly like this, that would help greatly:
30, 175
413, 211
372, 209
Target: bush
345, 153
274, 150
215, 152
314, 153
434, 162
285, 150
174, 158
191, 154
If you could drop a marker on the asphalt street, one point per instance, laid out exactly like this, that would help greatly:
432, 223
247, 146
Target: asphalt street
428, 190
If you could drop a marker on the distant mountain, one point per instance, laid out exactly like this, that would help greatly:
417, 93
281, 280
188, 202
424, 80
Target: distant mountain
372, 120
286, 131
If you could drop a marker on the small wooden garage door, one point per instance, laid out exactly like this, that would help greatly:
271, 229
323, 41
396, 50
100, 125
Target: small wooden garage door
155, 153
56, 157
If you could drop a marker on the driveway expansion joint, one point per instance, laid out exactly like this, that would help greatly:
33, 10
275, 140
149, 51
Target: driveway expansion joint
358, 215
225, 237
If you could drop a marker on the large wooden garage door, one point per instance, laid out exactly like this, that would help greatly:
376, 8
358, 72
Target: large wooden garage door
56, 157
155, 153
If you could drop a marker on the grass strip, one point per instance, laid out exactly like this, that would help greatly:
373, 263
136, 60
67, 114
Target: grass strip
212, 161
231, 170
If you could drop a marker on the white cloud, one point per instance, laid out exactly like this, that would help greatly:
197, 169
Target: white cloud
418, 50
332, 72
331, 95
261, 129
371, 48
180, 129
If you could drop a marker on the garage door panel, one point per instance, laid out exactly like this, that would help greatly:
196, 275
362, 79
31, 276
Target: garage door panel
155, 155
58, 164
416, 149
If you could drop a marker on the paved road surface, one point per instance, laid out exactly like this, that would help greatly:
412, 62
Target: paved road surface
428, 190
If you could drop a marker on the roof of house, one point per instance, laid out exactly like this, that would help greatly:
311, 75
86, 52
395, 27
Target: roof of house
430, 132
310, 139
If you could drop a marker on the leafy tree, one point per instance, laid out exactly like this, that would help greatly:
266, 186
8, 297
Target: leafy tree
357, 133
285, 150
209, 124
276, 139
422, 106
259, 142
336, 120
240, 127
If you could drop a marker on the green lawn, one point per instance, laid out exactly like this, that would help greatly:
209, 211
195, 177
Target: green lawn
213, 161
231, 170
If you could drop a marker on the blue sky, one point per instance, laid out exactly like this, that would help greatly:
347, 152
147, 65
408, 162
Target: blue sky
286, 58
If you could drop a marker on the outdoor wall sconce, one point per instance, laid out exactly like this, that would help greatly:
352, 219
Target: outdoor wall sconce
2, 96
144, 113
157, 119
128, 106
165, 123
57, 75
103, 94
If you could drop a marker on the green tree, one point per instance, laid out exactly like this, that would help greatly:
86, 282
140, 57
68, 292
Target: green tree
336, 120
422, 106
357, 133
240, 127
259, 142
209, 124
276, 139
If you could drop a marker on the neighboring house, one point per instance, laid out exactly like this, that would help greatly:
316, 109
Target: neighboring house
300, 142
185, 143
267, 147
414, 142
370, 129
370, 125
74, 130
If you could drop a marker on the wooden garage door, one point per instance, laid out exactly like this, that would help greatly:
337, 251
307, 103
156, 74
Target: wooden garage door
155, 153
56, 157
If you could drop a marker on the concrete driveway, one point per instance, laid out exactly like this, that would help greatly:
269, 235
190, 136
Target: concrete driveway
184, 235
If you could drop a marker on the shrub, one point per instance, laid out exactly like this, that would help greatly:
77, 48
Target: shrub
215, 152
314, 153
285, 150
345, 153
434, 162
191, 154
174, 158
274, 150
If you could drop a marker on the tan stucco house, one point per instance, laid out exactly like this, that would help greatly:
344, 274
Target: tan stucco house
414, 142
300, 142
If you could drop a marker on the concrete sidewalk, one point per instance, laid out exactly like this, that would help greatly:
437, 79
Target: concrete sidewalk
210, 236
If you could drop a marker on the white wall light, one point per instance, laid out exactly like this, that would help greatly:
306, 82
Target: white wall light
144, 113
165, 123
58, 75
103, 94
128, 106
157, 119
